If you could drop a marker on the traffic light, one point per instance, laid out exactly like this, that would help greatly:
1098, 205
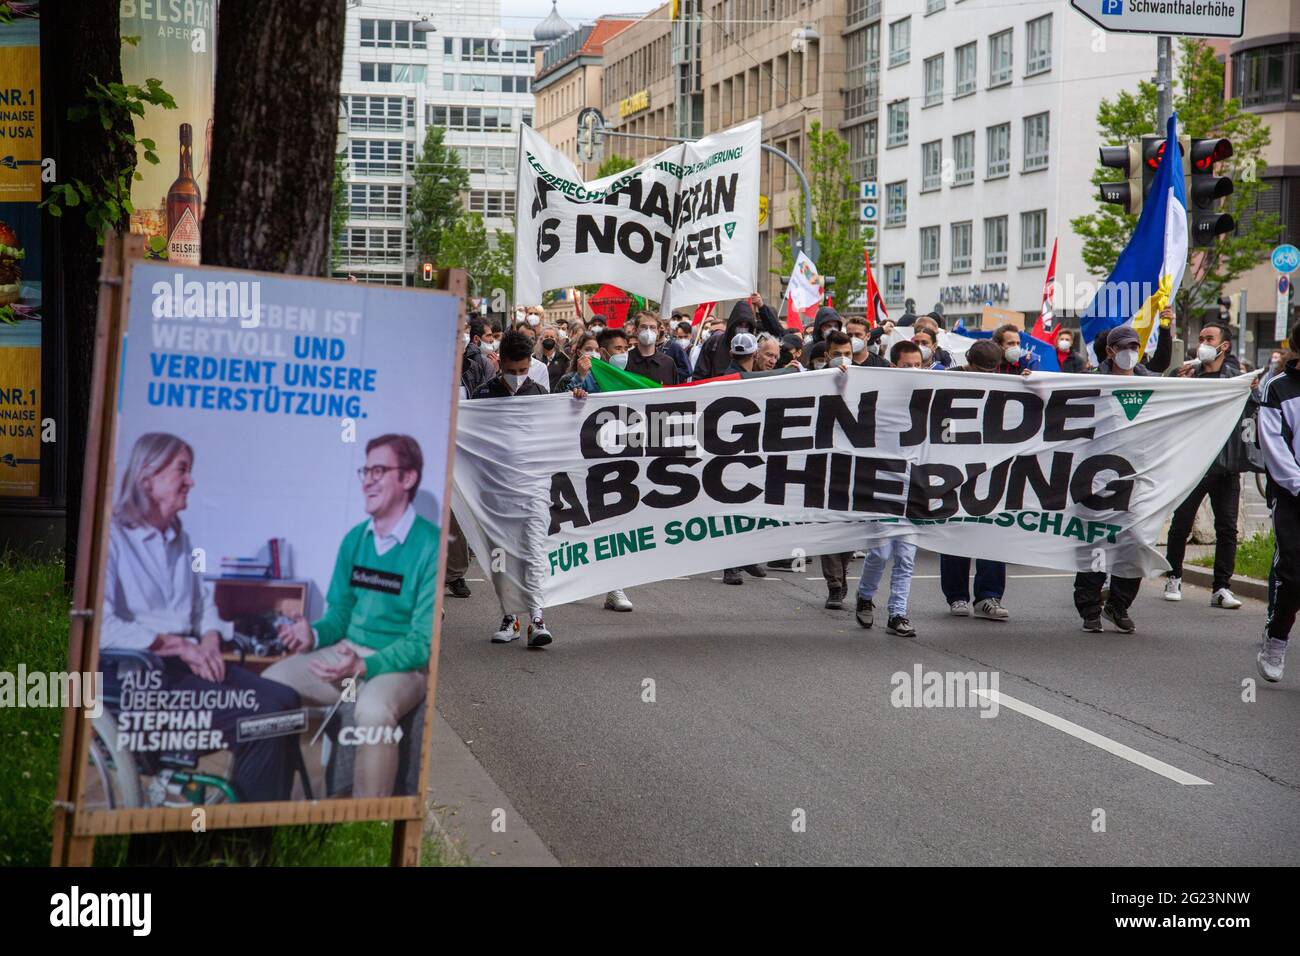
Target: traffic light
1205, 189
1129, 191
427, 272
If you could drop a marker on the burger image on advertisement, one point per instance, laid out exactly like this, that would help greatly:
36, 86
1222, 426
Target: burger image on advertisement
11, 272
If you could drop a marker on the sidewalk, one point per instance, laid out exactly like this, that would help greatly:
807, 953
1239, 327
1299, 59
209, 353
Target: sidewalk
464, 802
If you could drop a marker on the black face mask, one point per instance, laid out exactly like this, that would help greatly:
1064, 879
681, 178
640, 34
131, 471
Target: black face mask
548, 344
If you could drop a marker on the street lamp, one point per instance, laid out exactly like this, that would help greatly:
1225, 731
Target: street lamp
424, 24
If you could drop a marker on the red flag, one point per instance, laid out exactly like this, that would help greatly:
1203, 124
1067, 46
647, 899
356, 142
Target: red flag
796, 320
702, 312
876, 311
611, 302
1045, 328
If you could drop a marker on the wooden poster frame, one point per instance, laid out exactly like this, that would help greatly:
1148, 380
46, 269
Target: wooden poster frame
75, 827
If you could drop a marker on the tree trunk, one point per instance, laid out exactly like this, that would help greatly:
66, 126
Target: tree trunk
275, 134
86, 38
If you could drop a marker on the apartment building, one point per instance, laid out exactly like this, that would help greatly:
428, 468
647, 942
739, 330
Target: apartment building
409, 64
989, 144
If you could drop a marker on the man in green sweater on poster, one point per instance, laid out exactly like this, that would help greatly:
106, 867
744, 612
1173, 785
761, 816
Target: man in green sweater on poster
378, 621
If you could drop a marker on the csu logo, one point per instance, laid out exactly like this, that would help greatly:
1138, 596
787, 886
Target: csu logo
1112, 8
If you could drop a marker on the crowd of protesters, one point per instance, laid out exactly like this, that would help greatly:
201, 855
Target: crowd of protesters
538, 355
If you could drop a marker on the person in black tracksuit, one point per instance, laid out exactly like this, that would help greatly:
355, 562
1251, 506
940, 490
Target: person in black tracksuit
1279, 424
1222, 485
1121, 359
715, 355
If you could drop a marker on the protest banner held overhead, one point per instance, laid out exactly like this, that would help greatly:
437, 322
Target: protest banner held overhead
639, 486
680, 228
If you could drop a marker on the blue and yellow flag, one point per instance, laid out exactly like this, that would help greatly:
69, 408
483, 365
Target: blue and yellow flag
1150, 269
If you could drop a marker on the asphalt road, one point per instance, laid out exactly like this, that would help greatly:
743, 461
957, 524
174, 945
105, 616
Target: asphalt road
766, 705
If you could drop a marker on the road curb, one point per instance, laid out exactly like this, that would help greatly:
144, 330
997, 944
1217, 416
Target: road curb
464, 803
1241, 585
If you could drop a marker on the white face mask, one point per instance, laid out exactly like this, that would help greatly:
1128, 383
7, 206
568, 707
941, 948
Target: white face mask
590, 355
1063, 345
489, 346
858, 344
1126, 359
925, 353
1013, 354
1206, 352
839, 360
597, 329
646, 337
819, 364
514, 381
807, 340
619, 360
533, 320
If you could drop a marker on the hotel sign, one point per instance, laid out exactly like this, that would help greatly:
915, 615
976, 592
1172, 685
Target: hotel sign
634, 104
977, 293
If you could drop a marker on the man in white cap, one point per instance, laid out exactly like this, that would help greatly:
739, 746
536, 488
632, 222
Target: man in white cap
743, 348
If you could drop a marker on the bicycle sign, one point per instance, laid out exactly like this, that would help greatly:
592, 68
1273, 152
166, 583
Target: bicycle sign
1286, 259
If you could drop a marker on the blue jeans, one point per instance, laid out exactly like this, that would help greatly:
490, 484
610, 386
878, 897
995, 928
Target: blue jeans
954, 578
900, 580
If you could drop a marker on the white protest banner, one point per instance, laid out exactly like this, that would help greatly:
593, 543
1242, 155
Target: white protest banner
805, 287
681, 228
574, 497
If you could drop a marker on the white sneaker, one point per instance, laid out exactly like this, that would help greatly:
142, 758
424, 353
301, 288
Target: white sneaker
1225, 598
1173, 589
616, 600
1271, 658
991, 609
508, 631
959, 608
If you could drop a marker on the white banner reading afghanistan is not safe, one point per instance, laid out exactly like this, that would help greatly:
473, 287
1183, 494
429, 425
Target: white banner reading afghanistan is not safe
681, 228
565, 498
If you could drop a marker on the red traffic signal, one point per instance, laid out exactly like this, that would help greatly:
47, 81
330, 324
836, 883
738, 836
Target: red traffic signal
1207, 152
428, 272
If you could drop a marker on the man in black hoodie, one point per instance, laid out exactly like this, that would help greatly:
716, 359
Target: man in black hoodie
715, 356
1214, 359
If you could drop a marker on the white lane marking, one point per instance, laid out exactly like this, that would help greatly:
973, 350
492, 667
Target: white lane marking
1097, 740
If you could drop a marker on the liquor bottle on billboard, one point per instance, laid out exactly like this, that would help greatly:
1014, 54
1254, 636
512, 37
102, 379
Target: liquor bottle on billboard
183, 207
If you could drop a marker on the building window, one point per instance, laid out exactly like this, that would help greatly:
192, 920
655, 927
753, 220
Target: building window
391, 34
1036, 141
368, 201
862, 151
896, 204
376, 157
960, 247
372, 245
1259, 74
1000, 58
995, 243
894, 274
487, 159
471, 118
965, 70
931, 165
1038, 45
392, 72
929, 251
999, 140
377, 112
934, 80
897, 118
900, 41
963, 158
934, 6
492, 203
1033, 238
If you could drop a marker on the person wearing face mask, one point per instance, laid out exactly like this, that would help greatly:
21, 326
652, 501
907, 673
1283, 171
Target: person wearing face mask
682, 333
826, 320
954, 571
923, 339
550, 352
715, 355
743, 348
645, 359
579, 379
835, 567
475, 368
1016, 359
940, 356
859, 340
1214, 359
1069, 359
1122, 360
668, 345
792, 350
537, 368
816, 356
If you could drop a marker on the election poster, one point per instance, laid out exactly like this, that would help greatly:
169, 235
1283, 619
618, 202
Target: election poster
681, 228
625, 488
272, 543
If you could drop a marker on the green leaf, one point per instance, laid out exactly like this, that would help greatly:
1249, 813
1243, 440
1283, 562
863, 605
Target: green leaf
148, 143
55, 210
71, 198
157, 243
